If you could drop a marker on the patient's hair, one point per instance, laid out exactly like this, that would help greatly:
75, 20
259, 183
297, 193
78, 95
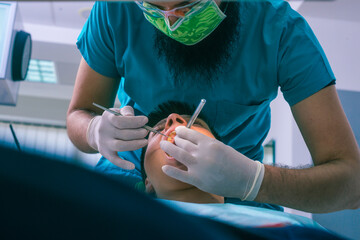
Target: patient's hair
163, 111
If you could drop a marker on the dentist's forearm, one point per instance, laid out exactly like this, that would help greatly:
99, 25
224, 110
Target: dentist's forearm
324, 188
90, 87
77, 123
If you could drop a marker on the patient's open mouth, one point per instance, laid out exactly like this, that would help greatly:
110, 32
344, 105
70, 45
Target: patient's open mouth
171, 159
171, 139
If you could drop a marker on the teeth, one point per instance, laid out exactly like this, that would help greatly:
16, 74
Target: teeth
171, 137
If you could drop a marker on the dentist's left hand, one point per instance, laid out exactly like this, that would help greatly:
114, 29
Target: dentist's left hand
213, 166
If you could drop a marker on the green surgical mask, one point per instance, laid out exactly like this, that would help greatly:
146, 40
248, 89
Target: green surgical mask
196, 25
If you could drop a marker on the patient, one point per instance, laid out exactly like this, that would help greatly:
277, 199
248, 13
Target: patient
185, 197
165, 119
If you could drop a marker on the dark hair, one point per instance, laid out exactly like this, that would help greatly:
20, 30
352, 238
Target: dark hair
163, 111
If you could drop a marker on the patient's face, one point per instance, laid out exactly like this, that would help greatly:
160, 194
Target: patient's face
155, 157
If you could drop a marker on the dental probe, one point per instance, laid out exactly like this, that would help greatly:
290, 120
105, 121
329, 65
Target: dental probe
118, 114
196, 113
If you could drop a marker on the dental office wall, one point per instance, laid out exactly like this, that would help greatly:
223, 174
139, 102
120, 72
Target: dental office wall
41, 108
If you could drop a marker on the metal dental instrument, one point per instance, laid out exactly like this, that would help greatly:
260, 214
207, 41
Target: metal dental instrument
118, 114
196, 113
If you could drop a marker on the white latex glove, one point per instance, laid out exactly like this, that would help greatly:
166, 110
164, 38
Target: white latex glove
109, 134
213, 166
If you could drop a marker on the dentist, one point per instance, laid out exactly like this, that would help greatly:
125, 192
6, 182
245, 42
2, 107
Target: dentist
236, 55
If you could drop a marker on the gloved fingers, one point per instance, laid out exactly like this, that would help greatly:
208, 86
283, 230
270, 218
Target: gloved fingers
185, 144
123, 122
133, 134
189, 134
132, 145
177, 173
179, 154
127, 111
116, 160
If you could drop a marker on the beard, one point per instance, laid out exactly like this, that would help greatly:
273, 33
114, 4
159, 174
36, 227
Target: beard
206, 60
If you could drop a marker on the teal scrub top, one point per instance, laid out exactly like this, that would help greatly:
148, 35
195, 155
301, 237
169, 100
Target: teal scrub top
276, 48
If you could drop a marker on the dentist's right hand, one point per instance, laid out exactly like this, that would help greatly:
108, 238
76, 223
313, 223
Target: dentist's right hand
109, 134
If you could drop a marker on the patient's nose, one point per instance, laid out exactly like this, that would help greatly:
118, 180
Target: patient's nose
174, 119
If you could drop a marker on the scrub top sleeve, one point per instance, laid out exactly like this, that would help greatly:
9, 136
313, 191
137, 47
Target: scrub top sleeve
303, 68
96, 43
